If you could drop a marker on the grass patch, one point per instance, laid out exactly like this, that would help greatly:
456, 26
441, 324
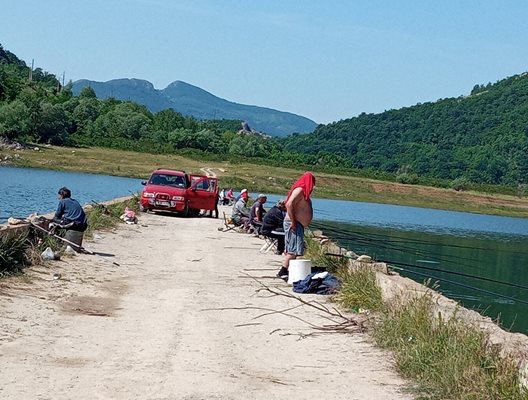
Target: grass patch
359, 289
14, 252
448, 359
105, 217
318, 254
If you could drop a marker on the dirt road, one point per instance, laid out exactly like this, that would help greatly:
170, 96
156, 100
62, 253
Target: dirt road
160, 325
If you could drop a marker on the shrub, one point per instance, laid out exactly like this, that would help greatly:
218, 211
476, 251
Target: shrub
13, 247
407, 178
459, 184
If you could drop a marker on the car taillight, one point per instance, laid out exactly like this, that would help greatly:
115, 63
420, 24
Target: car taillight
147, 194
178, 198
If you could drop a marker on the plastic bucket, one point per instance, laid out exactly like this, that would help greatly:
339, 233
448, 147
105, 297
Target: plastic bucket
298, 270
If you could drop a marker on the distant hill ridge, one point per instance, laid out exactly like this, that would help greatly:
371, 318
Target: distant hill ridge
194, 101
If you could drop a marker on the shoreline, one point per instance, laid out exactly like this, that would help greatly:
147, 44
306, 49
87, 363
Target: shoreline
272, 180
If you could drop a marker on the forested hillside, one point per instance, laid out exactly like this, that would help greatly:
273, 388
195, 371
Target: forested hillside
482, 137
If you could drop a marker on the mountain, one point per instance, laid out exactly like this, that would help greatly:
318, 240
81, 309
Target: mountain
481, 137
194, 101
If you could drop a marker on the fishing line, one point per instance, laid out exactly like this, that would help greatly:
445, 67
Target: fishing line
438, 269
406, 250
381, 244
390, 263
462, 285
458, 273
396, 238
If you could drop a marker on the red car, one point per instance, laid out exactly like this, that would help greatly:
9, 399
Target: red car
176, 191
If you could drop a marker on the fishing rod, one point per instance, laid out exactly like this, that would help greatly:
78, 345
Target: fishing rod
462, 285
384, 239
75, 245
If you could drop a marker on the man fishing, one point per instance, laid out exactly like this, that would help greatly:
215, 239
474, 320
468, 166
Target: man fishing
70, 216
299, 214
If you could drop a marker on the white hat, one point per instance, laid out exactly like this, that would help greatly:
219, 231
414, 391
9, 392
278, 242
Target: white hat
243, 191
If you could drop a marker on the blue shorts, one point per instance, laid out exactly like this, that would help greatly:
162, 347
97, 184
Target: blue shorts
294, 240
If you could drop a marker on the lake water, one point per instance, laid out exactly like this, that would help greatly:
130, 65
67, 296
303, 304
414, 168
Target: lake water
421, 242
26, 190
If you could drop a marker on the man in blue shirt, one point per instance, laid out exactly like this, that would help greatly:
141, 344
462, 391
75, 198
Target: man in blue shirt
70, 216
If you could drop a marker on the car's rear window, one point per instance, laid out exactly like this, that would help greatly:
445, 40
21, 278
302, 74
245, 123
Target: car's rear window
168, 180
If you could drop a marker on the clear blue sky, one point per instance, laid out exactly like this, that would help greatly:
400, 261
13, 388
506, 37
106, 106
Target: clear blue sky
326, 59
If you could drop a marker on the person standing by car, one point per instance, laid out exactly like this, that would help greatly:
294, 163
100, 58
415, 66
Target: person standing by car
299, 215
229, 197
71, 217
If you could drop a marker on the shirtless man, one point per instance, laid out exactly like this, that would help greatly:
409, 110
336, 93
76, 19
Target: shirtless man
299, 215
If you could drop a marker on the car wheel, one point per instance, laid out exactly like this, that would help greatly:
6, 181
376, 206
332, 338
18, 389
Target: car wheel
142, 209
185, 212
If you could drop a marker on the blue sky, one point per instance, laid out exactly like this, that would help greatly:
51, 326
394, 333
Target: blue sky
326, 60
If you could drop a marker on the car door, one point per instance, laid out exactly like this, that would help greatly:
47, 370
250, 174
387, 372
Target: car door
203, 192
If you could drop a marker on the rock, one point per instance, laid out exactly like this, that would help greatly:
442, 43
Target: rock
350, 254
365, 259
15, 221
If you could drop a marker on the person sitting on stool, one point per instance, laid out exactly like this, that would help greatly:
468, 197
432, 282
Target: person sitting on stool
256, 213
273, 221
71, 217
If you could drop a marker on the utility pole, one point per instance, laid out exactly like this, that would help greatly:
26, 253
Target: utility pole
31, 70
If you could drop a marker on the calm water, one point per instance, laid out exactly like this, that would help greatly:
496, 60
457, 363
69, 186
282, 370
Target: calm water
26, 190
422, 242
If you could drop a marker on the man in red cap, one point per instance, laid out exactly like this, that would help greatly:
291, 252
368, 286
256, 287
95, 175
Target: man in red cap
299, 214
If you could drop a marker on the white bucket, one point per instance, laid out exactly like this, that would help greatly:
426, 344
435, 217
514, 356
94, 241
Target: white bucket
298, 270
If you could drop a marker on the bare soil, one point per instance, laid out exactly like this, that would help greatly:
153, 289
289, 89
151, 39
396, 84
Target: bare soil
450, 195
175, 319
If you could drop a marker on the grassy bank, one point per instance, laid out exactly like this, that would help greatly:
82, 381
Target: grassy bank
266, 179
444, 358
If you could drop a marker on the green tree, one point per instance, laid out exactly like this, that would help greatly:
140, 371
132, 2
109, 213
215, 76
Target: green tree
14, 120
